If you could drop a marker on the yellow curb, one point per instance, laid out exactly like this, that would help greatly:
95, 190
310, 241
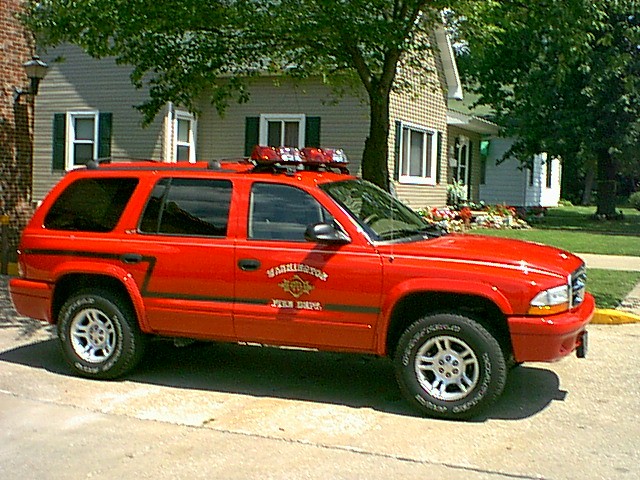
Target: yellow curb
12, 269
614, 317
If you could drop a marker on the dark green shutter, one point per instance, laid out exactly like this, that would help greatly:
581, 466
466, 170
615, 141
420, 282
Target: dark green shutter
59, 134
312, 132
104, 135
438, 156
251, 134
396, 151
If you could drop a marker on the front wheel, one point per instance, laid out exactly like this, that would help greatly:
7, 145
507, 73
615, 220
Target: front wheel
450, 366
99, 335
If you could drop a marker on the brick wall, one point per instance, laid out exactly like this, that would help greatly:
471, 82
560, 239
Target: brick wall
16, 147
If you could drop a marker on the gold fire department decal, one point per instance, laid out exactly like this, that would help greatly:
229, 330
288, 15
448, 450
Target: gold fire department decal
296, 286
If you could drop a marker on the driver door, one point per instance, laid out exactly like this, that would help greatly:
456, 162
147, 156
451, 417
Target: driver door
293, 292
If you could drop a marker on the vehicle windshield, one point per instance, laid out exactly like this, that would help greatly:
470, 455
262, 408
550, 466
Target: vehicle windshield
381, 215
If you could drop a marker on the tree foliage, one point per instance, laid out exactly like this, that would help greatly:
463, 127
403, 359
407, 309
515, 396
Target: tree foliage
184, 50
563, 76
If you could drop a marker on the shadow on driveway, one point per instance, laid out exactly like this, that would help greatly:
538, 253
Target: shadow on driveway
333, 378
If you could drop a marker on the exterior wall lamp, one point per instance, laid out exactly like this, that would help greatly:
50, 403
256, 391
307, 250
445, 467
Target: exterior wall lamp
36, 70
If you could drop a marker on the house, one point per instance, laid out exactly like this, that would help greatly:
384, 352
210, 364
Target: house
86, 110
475, 161
509, 183
16, 47
466, 134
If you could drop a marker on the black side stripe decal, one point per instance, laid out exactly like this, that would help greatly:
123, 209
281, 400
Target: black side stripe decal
151, 261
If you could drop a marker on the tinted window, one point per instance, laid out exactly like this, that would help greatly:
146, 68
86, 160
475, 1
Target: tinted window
281, 212
187, 206
91, 205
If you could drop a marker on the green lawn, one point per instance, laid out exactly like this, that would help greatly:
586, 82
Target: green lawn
609, 287
581, 219
574, 241
574, 229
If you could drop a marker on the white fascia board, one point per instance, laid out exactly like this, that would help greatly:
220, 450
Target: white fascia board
454, 85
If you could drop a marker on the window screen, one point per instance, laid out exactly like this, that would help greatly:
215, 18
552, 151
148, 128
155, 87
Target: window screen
91, 205
186, 206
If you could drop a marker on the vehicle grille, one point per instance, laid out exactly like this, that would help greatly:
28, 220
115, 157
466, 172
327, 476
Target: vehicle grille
578, 285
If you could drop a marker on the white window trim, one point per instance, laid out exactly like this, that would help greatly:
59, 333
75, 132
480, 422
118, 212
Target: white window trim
430, 177
70, 136
265, 118
463, 141
184, 115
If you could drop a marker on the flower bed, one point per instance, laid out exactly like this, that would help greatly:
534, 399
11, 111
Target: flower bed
460, 220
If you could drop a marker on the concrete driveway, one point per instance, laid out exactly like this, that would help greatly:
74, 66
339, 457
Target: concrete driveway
228, 411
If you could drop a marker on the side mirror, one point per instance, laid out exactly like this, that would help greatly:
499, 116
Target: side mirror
325, 233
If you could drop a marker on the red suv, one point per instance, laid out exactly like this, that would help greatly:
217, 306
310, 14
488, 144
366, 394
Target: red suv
289, 249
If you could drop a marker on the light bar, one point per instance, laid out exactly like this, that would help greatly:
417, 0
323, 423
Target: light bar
310, 156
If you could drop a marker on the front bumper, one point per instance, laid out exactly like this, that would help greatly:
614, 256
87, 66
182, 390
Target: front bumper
547, 339
31, 298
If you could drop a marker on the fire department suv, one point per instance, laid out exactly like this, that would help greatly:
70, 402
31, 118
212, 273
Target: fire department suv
288, 249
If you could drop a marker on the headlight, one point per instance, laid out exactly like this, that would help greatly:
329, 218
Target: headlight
553, 300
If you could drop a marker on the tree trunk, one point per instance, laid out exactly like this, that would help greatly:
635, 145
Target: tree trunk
588, 186
606, 186
375, 156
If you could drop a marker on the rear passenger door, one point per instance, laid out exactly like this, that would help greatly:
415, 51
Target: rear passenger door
188, 285
293, 292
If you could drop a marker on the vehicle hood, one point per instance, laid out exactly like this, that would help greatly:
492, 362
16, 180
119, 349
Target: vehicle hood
476, 249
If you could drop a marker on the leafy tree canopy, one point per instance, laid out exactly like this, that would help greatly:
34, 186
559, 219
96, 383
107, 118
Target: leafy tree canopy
563, 76
189, 48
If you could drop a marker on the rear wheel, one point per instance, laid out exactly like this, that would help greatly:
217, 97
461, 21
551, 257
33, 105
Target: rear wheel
450, 366
99, 335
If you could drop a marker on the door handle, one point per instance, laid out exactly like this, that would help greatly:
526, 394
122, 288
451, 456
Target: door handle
131, 258
248, 264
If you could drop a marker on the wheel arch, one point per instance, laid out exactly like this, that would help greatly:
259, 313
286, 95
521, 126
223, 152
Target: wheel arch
122, 285
414, 305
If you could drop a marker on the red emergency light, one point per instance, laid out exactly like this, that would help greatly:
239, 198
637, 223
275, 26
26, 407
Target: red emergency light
309, 157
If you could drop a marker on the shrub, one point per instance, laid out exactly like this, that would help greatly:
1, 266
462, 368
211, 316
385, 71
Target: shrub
634, 200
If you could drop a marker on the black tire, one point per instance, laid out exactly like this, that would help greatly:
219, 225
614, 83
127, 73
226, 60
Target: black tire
99, 335
463, 367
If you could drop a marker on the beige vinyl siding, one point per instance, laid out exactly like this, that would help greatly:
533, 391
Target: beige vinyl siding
344, 120
424, 105
77, 83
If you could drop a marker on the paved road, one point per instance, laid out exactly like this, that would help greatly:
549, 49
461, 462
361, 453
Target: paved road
226, 411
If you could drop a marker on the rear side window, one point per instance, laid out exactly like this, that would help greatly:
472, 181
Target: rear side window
91, 205
188, 206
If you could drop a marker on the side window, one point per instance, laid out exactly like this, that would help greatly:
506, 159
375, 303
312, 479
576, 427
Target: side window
187, 206
282, 212
91, 205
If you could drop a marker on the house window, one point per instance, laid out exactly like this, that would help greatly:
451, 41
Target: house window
79, 137
82, 140
282, 130
418, 153
549, 163
184, 137
532, 173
